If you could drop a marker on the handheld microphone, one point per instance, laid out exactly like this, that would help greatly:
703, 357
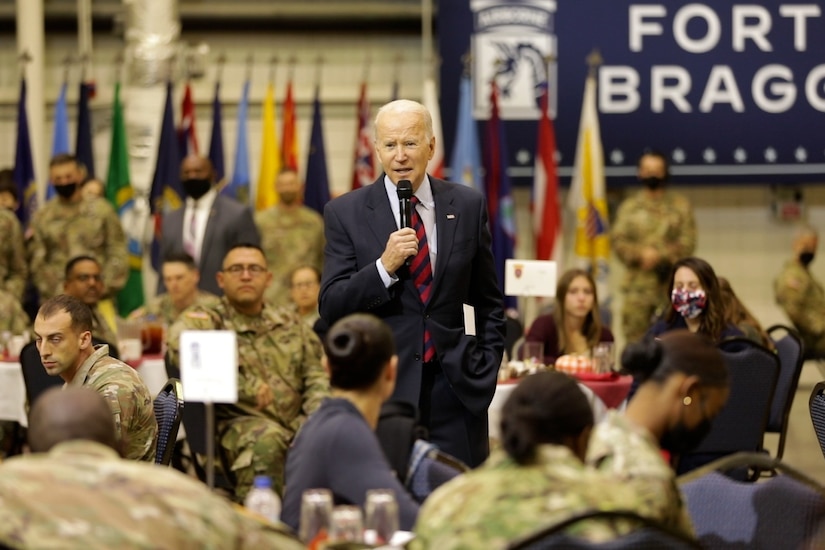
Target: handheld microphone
405, 193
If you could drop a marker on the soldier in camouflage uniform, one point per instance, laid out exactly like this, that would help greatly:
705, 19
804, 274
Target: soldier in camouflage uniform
69, 226
13, 269
84, 281
180, 278
76, 493
802, 296
280, 378
63, 333
537, 479
291, 235
653, 229
684, 385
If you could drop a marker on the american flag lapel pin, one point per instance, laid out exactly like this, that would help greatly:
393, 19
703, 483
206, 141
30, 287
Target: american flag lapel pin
450, 216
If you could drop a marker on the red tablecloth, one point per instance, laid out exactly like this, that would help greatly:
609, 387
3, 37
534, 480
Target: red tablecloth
612, 392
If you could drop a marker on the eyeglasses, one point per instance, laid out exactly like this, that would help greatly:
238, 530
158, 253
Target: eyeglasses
86, 277
238, 269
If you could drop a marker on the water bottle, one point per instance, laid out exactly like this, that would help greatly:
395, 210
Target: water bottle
262, 499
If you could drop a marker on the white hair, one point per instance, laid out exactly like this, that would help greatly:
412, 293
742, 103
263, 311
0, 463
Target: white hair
400, 106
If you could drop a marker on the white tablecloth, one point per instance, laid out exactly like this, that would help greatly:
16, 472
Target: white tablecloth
503, 391
13, 388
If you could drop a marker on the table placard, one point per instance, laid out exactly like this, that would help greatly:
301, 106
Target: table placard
209, 366
530, 278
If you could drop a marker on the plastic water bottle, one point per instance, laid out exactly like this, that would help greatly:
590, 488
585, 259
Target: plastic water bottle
262, 499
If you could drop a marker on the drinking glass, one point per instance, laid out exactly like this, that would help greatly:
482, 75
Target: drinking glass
316, 516
381, 514
603, 357
533, 355
347, 524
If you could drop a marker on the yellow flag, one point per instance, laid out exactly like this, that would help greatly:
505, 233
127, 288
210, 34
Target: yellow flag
270, 155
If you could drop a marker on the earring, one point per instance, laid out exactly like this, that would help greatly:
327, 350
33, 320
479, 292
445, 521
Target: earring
687, 400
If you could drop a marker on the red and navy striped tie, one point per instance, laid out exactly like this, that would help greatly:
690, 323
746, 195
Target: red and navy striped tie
422, 273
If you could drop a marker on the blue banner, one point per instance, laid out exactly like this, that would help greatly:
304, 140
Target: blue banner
730, 92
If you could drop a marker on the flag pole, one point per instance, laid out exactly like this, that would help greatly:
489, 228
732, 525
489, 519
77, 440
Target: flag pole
250, 61
319, 63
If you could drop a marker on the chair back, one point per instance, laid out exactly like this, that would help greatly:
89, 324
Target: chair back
816, 405
791, 355
513, 331
35, 377
648, 535
168, 405
785, 511
429, 468
740, 426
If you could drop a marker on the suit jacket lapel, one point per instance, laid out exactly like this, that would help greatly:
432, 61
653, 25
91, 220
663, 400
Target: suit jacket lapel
209, 233
380, 218
446, 221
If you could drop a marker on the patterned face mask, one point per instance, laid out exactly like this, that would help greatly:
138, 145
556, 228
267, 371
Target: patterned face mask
688, 304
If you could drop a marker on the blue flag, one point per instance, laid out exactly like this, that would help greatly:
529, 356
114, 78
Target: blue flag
60, 141
466, 162
23, 165
238, 187
216, 141
83, 144
499, 195
317, 179
167, 193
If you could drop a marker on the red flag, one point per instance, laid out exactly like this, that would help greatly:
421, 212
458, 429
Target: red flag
186, 130
546, 212
289, 139
364, 169
436, 165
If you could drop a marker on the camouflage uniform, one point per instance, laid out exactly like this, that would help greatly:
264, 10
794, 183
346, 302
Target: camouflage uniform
13, 318
129, 399
277, 349
161, 306
630, 454
13, 268
803, 299
501, 501
666, 224
290, 239
64, 230
81, 495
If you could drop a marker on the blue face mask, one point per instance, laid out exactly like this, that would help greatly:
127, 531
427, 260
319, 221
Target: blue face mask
689, 304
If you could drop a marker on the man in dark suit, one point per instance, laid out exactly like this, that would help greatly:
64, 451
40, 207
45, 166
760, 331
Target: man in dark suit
208, 225
444, 304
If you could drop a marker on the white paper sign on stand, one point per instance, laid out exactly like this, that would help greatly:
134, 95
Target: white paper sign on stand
530, 278
209, 366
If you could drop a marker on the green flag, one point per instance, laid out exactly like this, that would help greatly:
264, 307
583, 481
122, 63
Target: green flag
119, 192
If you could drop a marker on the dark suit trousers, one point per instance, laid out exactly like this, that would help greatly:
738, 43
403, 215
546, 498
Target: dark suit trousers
452, 427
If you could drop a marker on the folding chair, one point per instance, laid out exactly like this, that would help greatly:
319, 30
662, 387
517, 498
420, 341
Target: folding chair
648, 535
785, 511
168, 405
430, 468
740, 427
816, 405
790, 351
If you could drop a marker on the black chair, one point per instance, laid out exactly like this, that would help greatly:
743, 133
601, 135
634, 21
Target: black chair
513, 331
791, 355
816, 405
36, 378
430, 468
786, 511
648, 534
168, 405
740, 426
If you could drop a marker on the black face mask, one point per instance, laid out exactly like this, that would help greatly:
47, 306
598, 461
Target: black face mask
196, 188
653, 183
806, 258
680, 439
66, 190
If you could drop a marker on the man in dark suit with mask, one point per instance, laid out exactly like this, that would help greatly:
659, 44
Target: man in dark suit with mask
207, 226
431, 280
